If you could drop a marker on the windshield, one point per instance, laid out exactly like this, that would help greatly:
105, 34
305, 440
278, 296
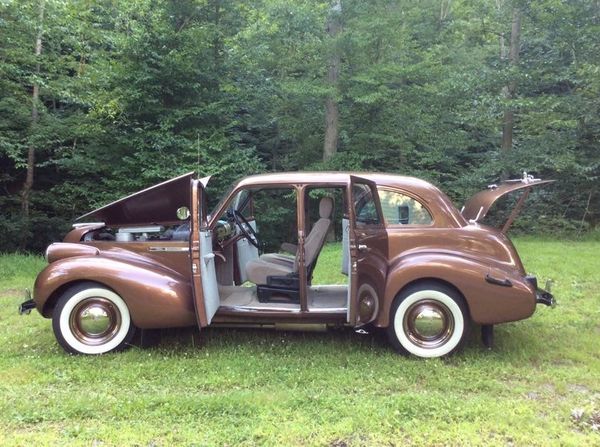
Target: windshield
224, 197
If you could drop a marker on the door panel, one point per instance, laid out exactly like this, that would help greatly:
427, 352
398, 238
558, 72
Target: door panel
368, 251
204, 278
246, 252
346, 269
210, 288
345, 246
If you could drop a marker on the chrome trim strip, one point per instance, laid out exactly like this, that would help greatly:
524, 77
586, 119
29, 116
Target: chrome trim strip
262, 309
328, 310
87, 224
169, 249
254, 308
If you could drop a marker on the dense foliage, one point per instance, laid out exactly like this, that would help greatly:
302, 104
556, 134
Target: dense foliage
131, 93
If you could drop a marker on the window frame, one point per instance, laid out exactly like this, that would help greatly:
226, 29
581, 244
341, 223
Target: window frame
413, 196
376, 203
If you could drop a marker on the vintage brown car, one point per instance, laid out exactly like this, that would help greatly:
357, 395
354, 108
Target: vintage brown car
415, 265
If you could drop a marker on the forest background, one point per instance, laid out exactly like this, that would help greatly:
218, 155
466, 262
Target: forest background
102, 98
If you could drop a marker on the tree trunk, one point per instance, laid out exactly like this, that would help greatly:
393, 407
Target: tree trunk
217, 44
331, 106
511, 88
28, 185
444, 9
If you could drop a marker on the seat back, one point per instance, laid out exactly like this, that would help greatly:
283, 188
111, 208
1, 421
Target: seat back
258, 271
316, 238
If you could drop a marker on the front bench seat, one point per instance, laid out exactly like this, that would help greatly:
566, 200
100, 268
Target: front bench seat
275, 264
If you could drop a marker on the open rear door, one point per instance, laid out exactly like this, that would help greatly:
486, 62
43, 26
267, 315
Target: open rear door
204, 276
368, 252
478, 205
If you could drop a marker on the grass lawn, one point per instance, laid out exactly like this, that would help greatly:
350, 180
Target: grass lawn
252, 387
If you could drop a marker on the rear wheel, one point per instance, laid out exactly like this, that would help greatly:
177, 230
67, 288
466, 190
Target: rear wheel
91, 319
428, 320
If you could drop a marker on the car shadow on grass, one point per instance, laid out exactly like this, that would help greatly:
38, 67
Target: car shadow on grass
374, 342
257, 339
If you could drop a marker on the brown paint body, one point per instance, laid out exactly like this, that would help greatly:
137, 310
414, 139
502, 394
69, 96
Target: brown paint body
158, 286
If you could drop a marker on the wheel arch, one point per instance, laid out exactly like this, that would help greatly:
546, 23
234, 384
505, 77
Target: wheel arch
486, 302
429, 279
50, 303
156, 297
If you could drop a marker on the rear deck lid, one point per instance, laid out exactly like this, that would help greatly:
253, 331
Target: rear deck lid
478, 205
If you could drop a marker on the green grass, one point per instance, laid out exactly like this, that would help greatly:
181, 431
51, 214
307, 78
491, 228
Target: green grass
251, 387
329, 266
19, 271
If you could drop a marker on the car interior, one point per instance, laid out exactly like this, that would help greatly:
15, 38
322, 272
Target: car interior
256, 255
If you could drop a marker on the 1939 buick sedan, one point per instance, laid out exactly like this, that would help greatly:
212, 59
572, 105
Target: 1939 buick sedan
416, 266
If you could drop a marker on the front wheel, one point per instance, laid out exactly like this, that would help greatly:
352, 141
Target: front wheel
428, 320
91, 319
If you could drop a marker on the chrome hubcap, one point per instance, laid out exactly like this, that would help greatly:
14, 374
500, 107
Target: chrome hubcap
428, 323
95, 321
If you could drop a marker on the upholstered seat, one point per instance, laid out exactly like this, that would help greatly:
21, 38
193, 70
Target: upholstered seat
276, 264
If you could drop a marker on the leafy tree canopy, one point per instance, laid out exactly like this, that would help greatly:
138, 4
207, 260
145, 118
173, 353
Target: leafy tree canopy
131, 93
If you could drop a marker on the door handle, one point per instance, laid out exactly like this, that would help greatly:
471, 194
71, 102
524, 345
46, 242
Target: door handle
499, 282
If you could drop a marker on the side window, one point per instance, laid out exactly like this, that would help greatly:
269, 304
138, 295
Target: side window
365, 209
400, 209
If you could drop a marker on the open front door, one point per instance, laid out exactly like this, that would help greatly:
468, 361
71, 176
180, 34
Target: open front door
204, 276
368, 252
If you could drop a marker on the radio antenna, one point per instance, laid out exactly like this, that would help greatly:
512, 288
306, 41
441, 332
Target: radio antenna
198, 151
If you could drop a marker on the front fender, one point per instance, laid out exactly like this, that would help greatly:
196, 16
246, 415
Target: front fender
488, 303
156, 297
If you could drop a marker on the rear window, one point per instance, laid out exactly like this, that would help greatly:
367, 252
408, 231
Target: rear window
400, 209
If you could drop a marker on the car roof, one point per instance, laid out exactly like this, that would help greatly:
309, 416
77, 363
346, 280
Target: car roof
438, 201
324, 177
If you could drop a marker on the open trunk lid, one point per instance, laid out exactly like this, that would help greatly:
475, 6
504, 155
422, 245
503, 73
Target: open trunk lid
478, 205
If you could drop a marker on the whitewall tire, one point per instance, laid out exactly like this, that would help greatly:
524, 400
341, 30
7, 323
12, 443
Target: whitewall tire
91, 319
428, 320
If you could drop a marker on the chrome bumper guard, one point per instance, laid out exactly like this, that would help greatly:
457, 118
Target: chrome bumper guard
545, 298
27, 306
542, 296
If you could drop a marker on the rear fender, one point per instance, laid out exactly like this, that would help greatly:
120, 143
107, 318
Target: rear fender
156, 298
488, 302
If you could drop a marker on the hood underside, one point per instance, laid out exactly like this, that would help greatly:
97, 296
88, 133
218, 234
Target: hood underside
155, 205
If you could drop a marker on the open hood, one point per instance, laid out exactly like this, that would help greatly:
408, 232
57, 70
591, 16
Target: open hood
155, 205
478, 205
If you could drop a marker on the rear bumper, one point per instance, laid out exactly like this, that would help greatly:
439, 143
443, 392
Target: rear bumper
27, 306
542, 296
545, 298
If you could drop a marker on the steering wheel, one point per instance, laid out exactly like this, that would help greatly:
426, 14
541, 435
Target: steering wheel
246, 229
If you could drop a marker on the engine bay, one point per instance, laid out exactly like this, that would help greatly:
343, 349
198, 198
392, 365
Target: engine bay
224, 230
